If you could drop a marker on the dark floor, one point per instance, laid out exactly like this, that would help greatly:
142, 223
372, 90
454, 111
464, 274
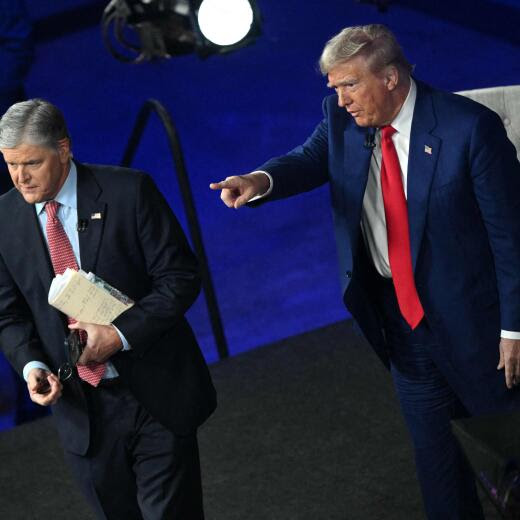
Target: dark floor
306, 429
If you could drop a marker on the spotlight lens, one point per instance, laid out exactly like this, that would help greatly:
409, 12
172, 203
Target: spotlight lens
225, 22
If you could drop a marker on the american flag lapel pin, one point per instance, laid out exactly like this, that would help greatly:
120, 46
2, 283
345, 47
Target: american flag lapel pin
427, 149
95, 216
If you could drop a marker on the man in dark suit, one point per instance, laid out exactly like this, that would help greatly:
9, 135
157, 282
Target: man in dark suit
130, 432
424, 191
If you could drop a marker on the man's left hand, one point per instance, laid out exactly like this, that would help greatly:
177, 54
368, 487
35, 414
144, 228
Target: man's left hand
510, 360
102, 342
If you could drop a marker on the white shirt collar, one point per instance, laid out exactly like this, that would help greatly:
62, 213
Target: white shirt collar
67, 195
403, 120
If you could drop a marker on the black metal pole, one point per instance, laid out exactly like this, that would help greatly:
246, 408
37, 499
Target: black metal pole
152, 105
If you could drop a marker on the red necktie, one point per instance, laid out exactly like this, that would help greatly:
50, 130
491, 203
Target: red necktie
62, 257
397, 231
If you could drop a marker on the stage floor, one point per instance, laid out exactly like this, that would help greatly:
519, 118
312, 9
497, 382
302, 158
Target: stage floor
306, 429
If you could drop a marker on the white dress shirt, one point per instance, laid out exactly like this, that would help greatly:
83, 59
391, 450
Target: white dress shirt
373, 223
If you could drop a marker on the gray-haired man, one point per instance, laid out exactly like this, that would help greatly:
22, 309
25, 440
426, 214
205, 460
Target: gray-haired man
129, 437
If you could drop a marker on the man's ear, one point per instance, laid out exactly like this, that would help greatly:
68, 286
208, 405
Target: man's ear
391, 77
64, 150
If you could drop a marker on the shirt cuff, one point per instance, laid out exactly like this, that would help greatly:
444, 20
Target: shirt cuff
508, 334
126, 345
269, 190
33, 364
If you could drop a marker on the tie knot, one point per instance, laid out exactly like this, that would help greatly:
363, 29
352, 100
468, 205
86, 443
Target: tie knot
388, 131
51, 208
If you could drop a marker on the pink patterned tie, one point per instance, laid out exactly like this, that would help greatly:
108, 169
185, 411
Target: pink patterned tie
62, 257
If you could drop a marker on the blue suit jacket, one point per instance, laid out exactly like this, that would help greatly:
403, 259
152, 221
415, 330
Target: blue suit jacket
464, 215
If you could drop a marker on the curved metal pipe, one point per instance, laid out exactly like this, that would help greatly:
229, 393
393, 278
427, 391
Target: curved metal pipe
152, 105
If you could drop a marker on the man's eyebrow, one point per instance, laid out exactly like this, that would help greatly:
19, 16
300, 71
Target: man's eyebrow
29, 161
342, 82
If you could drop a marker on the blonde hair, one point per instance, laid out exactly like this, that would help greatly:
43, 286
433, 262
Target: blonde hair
375, 42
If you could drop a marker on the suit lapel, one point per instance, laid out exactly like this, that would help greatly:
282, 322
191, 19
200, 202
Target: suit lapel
91, 217
29, 236
28, 240
422, 162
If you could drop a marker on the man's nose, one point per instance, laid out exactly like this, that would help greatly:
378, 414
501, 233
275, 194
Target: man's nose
343, 98
22, 173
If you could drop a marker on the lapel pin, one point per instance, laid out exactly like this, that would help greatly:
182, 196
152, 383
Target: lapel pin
427, 149
97, 216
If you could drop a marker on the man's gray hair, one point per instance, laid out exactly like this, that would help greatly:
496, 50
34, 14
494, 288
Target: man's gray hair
375, 42
35, 122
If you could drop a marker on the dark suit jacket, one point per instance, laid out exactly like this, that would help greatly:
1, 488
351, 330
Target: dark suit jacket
464, 215
139, 248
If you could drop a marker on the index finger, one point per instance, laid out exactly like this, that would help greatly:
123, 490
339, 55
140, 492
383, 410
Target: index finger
218, 185
227, 183
54, 382
509, 373
77, 325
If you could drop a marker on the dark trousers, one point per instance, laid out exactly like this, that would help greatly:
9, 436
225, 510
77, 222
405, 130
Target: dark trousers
135, 468
429, 403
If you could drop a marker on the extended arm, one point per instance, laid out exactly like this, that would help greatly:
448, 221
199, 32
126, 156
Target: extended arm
300, 170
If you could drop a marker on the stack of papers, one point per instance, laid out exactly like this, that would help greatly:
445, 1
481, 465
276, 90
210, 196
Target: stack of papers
86, 297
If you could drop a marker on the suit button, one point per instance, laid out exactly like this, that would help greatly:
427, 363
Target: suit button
349, 274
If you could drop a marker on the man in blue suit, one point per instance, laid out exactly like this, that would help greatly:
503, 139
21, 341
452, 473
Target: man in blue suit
424, 189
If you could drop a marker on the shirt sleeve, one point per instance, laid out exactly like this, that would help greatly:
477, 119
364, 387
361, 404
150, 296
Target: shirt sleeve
34, 364
269, 190
126, 345
508, 334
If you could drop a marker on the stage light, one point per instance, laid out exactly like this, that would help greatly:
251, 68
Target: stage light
140, 30
225, 22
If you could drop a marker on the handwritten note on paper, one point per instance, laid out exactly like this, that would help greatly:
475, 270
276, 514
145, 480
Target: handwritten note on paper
78, 297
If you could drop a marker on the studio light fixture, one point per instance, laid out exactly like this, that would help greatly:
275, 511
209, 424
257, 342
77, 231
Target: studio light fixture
225, 22
140, 30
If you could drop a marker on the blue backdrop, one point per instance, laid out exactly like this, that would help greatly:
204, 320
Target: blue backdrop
274, 267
